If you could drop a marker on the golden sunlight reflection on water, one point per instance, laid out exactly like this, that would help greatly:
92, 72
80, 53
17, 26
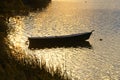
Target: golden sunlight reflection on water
54, 57
102, 62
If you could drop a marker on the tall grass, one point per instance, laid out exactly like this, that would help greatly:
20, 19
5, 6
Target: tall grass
23, 67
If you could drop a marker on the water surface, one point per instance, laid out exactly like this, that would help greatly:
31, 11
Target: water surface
63, 18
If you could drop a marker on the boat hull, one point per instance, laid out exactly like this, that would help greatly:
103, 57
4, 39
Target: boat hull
59, 41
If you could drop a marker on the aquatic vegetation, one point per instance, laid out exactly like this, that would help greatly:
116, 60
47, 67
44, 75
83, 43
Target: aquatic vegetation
23, 67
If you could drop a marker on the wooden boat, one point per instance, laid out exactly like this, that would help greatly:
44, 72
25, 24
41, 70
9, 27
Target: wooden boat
60, 41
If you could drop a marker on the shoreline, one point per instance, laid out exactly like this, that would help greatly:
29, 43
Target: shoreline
21, 7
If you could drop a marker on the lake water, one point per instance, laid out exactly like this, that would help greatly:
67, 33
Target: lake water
100, 62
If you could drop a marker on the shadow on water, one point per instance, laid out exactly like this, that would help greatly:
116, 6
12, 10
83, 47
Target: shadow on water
22, 7
64, 44
36, 4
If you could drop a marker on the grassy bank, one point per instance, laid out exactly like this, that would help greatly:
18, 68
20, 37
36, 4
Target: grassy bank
23, 68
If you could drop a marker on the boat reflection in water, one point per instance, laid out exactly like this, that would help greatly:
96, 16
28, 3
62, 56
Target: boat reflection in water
75, 40
85, 44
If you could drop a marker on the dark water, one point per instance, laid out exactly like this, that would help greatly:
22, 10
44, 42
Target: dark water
101, 62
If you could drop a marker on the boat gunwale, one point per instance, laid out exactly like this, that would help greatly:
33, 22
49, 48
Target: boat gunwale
63, 36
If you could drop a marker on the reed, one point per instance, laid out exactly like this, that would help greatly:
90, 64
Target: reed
19, 67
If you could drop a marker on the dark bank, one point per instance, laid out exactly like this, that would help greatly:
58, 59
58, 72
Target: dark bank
12, 68
21, 7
